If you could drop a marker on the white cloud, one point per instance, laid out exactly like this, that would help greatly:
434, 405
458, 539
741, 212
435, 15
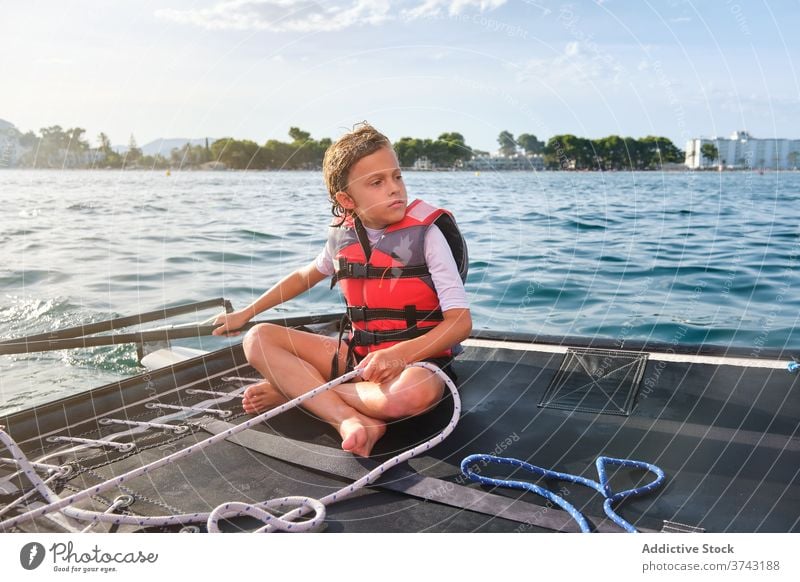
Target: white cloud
281, 15
312, 16
578, 65
431, 8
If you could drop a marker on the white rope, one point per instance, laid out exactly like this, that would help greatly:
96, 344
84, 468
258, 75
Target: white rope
44, 466
222, 413
55, 475
121, 501
304, 505
177, 429
122, 447
228, 395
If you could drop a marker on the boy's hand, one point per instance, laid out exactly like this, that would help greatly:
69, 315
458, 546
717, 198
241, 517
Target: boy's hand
381, 366
230, 323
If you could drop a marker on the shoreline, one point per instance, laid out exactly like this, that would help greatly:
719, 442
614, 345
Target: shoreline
422, 171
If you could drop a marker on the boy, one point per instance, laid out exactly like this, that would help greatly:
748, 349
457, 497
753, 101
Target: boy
405, 296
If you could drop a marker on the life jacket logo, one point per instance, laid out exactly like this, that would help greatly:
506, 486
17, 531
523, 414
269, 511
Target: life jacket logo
403, 254
31, 555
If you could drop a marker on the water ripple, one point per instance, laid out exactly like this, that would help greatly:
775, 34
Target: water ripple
712, 257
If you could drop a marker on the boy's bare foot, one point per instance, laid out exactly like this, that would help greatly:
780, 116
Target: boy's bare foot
260, 397
359, 434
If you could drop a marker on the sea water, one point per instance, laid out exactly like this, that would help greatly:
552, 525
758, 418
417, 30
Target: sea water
679, 257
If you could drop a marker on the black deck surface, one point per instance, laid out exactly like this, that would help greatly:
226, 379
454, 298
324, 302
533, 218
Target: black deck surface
726, 437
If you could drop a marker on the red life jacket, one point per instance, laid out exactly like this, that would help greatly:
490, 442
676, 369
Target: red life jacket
388, 289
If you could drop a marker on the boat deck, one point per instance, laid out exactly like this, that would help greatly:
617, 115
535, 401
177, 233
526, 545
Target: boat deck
724, 433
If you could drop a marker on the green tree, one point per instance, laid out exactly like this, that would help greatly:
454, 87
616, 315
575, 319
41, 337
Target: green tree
457, 148
611, 153
438, 153
640, 155
235, 154
298, 135
105, 143
29, 140
110, 158
55, 136
56, 148
530, 144
307, 153
657, 151
567, 152
508, 147
52, 145
275, 155
134, 154
156, 162
709, 152
189, 156
409, 150
76, 141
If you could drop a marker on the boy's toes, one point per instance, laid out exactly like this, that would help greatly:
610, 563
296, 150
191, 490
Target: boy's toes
261, 397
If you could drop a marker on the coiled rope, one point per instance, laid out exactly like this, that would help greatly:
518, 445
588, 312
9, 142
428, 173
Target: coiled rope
602, 487
302, 505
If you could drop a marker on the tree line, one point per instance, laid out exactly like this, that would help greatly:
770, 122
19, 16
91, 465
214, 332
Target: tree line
56, 147
568, 152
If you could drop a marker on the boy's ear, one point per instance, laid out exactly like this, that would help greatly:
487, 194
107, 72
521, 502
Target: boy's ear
345, 200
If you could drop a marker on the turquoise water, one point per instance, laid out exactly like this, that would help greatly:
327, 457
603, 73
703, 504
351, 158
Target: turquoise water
674, 257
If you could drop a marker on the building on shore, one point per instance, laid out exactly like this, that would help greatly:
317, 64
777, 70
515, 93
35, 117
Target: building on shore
742, 151
10, 147
422, 163
499, 163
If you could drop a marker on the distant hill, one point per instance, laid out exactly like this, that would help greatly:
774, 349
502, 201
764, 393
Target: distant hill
164, 146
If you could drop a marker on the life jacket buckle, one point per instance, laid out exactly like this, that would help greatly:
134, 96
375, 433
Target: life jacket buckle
357, 313
362, 337
357, 270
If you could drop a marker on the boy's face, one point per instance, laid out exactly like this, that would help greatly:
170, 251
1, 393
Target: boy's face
375, 190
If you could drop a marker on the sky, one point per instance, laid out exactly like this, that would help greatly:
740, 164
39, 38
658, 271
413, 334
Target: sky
250, 69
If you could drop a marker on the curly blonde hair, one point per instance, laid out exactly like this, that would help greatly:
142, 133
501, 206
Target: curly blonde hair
340, 157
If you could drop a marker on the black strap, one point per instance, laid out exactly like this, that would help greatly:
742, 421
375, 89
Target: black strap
362, 337
363, 237
342, 464
345, 325
350, 270
410, 314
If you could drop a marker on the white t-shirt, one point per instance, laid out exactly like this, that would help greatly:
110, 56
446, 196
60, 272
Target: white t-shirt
438, 256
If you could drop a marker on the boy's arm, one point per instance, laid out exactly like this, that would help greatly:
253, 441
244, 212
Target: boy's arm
385, 364
287, 288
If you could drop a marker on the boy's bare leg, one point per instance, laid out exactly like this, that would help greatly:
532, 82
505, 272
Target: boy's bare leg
413, 392
275, 352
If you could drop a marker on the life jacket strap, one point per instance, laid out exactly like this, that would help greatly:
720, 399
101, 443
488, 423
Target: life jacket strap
363, 337
345, 325
410, 314
350, 270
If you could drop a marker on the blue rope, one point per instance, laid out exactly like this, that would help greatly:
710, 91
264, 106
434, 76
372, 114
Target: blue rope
793, 366
602, 487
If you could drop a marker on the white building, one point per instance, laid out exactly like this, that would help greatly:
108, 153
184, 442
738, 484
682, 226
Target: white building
10, 148
742, 150
493, 163
422, 163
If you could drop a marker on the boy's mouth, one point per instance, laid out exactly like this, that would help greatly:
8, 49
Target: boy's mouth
397, 203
